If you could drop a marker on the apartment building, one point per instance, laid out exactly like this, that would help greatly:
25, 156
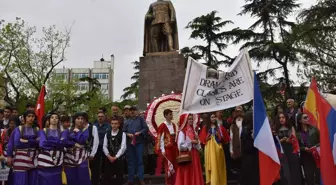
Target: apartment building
102, 70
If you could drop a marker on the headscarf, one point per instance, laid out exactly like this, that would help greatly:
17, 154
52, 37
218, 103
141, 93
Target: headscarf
188, 130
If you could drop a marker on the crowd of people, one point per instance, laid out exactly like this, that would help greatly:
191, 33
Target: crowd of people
71, 150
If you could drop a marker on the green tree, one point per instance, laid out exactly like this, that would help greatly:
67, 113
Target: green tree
65, 96
317, 43
132, 91
28, 60
208, 28
270, 38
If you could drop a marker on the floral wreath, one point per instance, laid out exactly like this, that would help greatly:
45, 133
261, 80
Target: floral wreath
154, 113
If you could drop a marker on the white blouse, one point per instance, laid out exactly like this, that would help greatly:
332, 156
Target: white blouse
184, 143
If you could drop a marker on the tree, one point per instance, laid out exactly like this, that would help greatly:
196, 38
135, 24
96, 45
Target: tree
317, 43
209, 29
190, 52
27, 60
132, 91
65, 96
270, 39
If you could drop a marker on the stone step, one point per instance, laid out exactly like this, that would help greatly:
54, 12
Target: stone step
159, 180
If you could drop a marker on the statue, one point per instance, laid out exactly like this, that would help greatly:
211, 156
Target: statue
160, 28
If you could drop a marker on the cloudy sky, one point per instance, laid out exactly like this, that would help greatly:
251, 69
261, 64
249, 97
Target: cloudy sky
115, 26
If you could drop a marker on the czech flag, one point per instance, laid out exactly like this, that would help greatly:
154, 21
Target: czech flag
269, 163
318, 108
39, 111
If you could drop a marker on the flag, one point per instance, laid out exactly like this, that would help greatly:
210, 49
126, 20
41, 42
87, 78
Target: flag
269, 163
39, 111
294, 141
315, 151
278, 145
310, 107
325, 116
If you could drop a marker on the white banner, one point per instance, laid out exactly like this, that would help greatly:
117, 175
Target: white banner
207, 90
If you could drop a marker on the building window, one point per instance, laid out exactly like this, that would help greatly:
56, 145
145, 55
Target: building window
61, 75
83, 86
104, 86
79, 75
100, 75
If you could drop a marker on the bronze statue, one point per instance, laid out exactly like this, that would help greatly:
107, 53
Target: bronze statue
160, 28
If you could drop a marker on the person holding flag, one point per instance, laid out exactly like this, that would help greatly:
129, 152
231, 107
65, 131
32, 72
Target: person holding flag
269, 163
136, 130
309, 138
290, 160
322, 114
166, 147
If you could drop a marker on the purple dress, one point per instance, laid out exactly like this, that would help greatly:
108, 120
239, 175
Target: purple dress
24, 155
50, 158
76, 159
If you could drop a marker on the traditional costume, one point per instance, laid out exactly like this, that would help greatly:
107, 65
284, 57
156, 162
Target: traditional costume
114, 146
24, 151
50, 158
166, 143
189, 173
76, 158
215, 166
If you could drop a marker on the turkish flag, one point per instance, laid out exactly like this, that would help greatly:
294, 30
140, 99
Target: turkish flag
39, 111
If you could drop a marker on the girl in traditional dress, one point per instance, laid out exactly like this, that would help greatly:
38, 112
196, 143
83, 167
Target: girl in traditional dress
290, 163
76, 155
309, 138
50, 158
188, 142
212, 136
25, 145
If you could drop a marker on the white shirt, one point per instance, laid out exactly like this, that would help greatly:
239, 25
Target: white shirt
231, 134
95, 140
184, 143
5, 121
122, 149
170, 127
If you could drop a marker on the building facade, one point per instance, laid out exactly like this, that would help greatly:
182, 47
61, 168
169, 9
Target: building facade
102, 70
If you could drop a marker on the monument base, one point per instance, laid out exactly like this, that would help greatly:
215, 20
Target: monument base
160, 73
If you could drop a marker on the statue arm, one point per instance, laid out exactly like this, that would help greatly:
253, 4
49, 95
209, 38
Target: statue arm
149, 14
172, 12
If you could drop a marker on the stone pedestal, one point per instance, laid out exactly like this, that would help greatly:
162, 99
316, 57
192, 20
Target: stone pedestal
160, 73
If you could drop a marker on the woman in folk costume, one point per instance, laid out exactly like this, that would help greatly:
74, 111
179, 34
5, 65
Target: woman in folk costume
166, 147
212, 136
50, 158
290, 163
23, 151
188, 142
76, 155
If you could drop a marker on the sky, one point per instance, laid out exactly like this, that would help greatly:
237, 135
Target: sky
105, 27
